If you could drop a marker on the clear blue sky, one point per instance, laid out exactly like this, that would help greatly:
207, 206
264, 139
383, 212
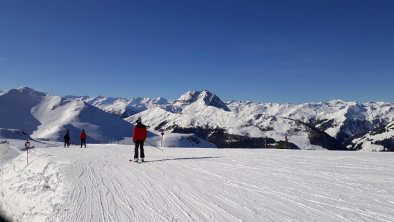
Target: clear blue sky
264, 51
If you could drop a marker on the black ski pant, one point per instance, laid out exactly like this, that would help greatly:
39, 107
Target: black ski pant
83, 142
139, 144
67, 143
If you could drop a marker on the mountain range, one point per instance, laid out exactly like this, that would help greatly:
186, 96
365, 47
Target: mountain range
333, 125
329, 125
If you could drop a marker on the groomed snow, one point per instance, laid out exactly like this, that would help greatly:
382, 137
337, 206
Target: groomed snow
100, 184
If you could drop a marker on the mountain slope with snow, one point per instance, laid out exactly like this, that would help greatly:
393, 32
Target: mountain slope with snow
100, 184
381, 139
47, 117
339, 119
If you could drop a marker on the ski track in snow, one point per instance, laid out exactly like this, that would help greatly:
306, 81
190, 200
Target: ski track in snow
100, 184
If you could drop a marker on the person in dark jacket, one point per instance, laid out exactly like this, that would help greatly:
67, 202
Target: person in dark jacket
139, 137
67, 139
83, 138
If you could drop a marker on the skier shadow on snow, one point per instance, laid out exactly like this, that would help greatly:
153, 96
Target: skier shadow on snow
184, 158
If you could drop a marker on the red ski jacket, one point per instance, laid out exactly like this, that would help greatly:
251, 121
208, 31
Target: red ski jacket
83, 136
140, 133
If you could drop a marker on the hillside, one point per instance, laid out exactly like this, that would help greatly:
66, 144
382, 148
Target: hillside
46, 117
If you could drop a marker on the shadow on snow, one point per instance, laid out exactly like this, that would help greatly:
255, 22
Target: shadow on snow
184, 158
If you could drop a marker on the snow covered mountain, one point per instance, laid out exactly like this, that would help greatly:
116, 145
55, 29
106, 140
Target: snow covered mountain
329, 125
42, 116
339, 119
124, 107
200, 99
381, 139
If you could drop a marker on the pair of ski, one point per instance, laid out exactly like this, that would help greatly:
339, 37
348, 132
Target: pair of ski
137, 160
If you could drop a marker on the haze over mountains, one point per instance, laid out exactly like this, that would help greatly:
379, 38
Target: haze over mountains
334, 125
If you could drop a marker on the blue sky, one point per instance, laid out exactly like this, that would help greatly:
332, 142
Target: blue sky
263, 51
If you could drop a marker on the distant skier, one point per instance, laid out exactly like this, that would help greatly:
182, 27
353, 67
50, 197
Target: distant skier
139, 137
67, 139
83, 138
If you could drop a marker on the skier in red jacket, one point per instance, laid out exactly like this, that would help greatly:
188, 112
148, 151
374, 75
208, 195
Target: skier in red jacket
83, 138
139, 137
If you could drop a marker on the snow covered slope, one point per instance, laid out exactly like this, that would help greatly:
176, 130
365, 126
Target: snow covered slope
100, 184
7, 152
47, 117
381, 139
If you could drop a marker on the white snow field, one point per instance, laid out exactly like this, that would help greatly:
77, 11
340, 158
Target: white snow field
100, 184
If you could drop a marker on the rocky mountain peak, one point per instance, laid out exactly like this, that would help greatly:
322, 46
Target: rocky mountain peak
204, 96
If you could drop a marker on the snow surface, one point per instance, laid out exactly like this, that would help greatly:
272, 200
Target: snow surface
100, 184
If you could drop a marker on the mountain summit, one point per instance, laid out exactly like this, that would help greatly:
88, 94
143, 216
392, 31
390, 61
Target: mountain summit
205, 97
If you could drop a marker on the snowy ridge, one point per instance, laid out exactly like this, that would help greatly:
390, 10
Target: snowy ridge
124, 107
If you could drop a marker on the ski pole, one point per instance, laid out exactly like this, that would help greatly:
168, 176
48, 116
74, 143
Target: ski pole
153, 145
